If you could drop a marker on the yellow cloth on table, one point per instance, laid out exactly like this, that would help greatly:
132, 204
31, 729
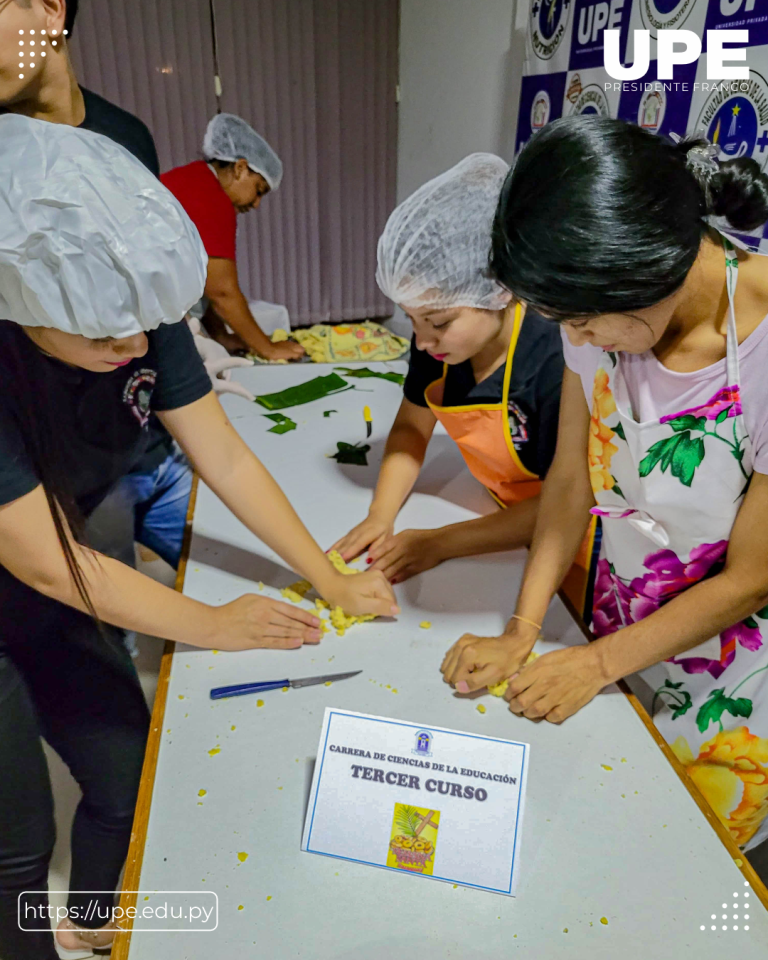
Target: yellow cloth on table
347, 342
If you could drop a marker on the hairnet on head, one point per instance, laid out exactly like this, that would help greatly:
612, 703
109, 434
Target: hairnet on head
434, 249
90, 242
230, 138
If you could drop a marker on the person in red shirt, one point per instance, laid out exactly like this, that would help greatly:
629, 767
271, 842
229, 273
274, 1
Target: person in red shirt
239, 169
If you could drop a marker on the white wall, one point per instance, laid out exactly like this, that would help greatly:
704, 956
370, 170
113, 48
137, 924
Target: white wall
460, 67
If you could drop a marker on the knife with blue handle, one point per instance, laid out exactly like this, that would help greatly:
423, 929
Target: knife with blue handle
240, 689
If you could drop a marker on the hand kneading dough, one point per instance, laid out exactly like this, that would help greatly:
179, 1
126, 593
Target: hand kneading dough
296, 592
499, 689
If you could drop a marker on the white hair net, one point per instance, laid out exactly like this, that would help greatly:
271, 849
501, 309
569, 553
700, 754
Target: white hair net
434, 249
229, 138
90, 242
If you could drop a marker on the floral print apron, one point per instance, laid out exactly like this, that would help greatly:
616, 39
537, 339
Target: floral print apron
669, 491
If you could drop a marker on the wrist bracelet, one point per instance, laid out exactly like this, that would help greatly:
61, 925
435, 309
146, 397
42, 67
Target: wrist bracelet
526, 620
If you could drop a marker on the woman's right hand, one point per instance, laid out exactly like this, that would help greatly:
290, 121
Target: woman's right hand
252, 621
372, 532
475, 662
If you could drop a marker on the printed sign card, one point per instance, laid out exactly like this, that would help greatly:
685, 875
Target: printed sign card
423, 800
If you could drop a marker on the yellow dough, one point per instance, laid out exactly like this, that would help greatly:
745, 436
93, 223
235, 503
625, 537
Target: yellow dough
499, 689
341, 621
296, 591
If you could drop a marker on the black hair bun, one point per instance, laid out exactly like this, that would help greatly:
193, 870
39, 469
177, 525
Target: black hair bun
739, 193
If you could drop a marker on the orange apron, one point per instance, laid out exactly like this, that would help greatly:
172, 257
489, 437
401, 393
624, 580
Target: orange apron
481, 432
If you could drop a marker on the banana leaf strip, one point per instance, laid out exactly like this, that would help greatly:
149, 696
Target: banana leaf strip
307, 392
367, 372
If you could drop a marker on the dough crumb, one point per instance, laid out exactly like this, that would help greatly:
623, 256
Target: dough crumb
233, 727
425, 624
565, 929
394, 689
499, 689
285, 689
212, 753
605, 766
181, 696
240, 907
604, 921
739, 862
481, 708
201, 793
242, 857
259, 703
296, 591
328, 683
269, 898
215, 651
260, 585
623, 759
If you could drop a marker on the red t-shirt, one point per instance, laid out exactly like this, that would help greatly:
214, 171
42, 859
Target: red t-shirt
198, 190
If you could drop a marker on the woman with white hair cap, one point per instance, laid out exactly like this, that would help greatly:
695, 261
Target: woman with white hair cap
98, 264
483, 366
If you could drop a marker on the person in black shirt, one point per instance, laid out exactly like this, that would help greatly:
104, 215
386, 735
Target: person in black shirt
150, 503
98, 264
485, 367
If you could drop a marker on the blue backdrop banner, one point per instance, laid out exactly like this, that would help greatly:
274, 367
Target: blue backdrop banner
564, 73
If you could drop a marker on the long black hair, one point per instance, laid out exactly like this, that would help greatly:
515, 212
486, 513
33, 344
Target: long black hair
599, 216
30, 401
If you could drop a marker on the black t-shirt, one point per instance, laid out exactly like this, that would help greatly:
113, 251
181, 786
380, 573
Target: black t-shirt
112, 121
534, 389
103, 416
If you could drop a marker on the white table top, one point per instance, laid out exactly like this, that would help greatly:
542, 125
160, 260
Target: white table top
627, 844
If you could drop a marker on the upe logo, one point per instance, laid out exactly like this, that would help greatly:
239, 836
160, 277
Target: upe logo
423, 741
665, 14
735, 118
540, 110
651, 111
669, 53
549, 18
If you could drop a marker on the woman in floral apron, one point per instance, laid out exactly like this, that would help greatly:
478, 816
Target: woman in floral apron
484, 368
670, 449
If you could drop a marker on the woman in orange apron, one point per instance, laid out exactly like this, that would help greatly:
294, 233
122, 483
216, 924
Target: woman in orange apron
482, 366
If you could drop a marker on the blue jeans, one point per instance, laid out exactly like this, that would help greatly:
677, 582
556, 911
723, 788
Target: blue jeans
150, 508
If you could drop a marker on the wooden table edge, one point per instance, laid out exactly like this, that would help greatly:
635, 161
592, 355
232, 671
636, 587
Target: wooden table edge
132, 875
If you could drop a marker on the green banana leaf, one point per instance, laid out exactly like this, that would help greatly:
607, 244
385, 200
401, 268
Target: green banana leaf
367, 372
351, 453
314, 389
282, 423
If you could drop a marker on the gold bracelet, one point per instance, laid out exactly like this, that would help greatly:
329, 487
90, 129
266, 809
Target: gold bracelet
526, 620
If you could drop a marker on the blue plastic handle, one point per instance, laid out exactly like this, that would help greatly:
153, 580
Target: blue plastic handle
240, 689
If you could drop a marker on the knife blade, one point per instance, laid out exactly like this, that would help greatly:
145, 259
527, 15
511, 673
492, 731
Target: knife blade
240, 689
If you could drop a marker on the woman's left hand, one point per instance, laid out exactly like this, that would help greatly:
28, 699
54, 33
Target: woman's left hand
557, 684
405, 554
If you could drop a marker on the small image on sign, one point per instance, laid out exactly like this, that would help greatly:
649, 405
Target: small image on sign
414, 839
